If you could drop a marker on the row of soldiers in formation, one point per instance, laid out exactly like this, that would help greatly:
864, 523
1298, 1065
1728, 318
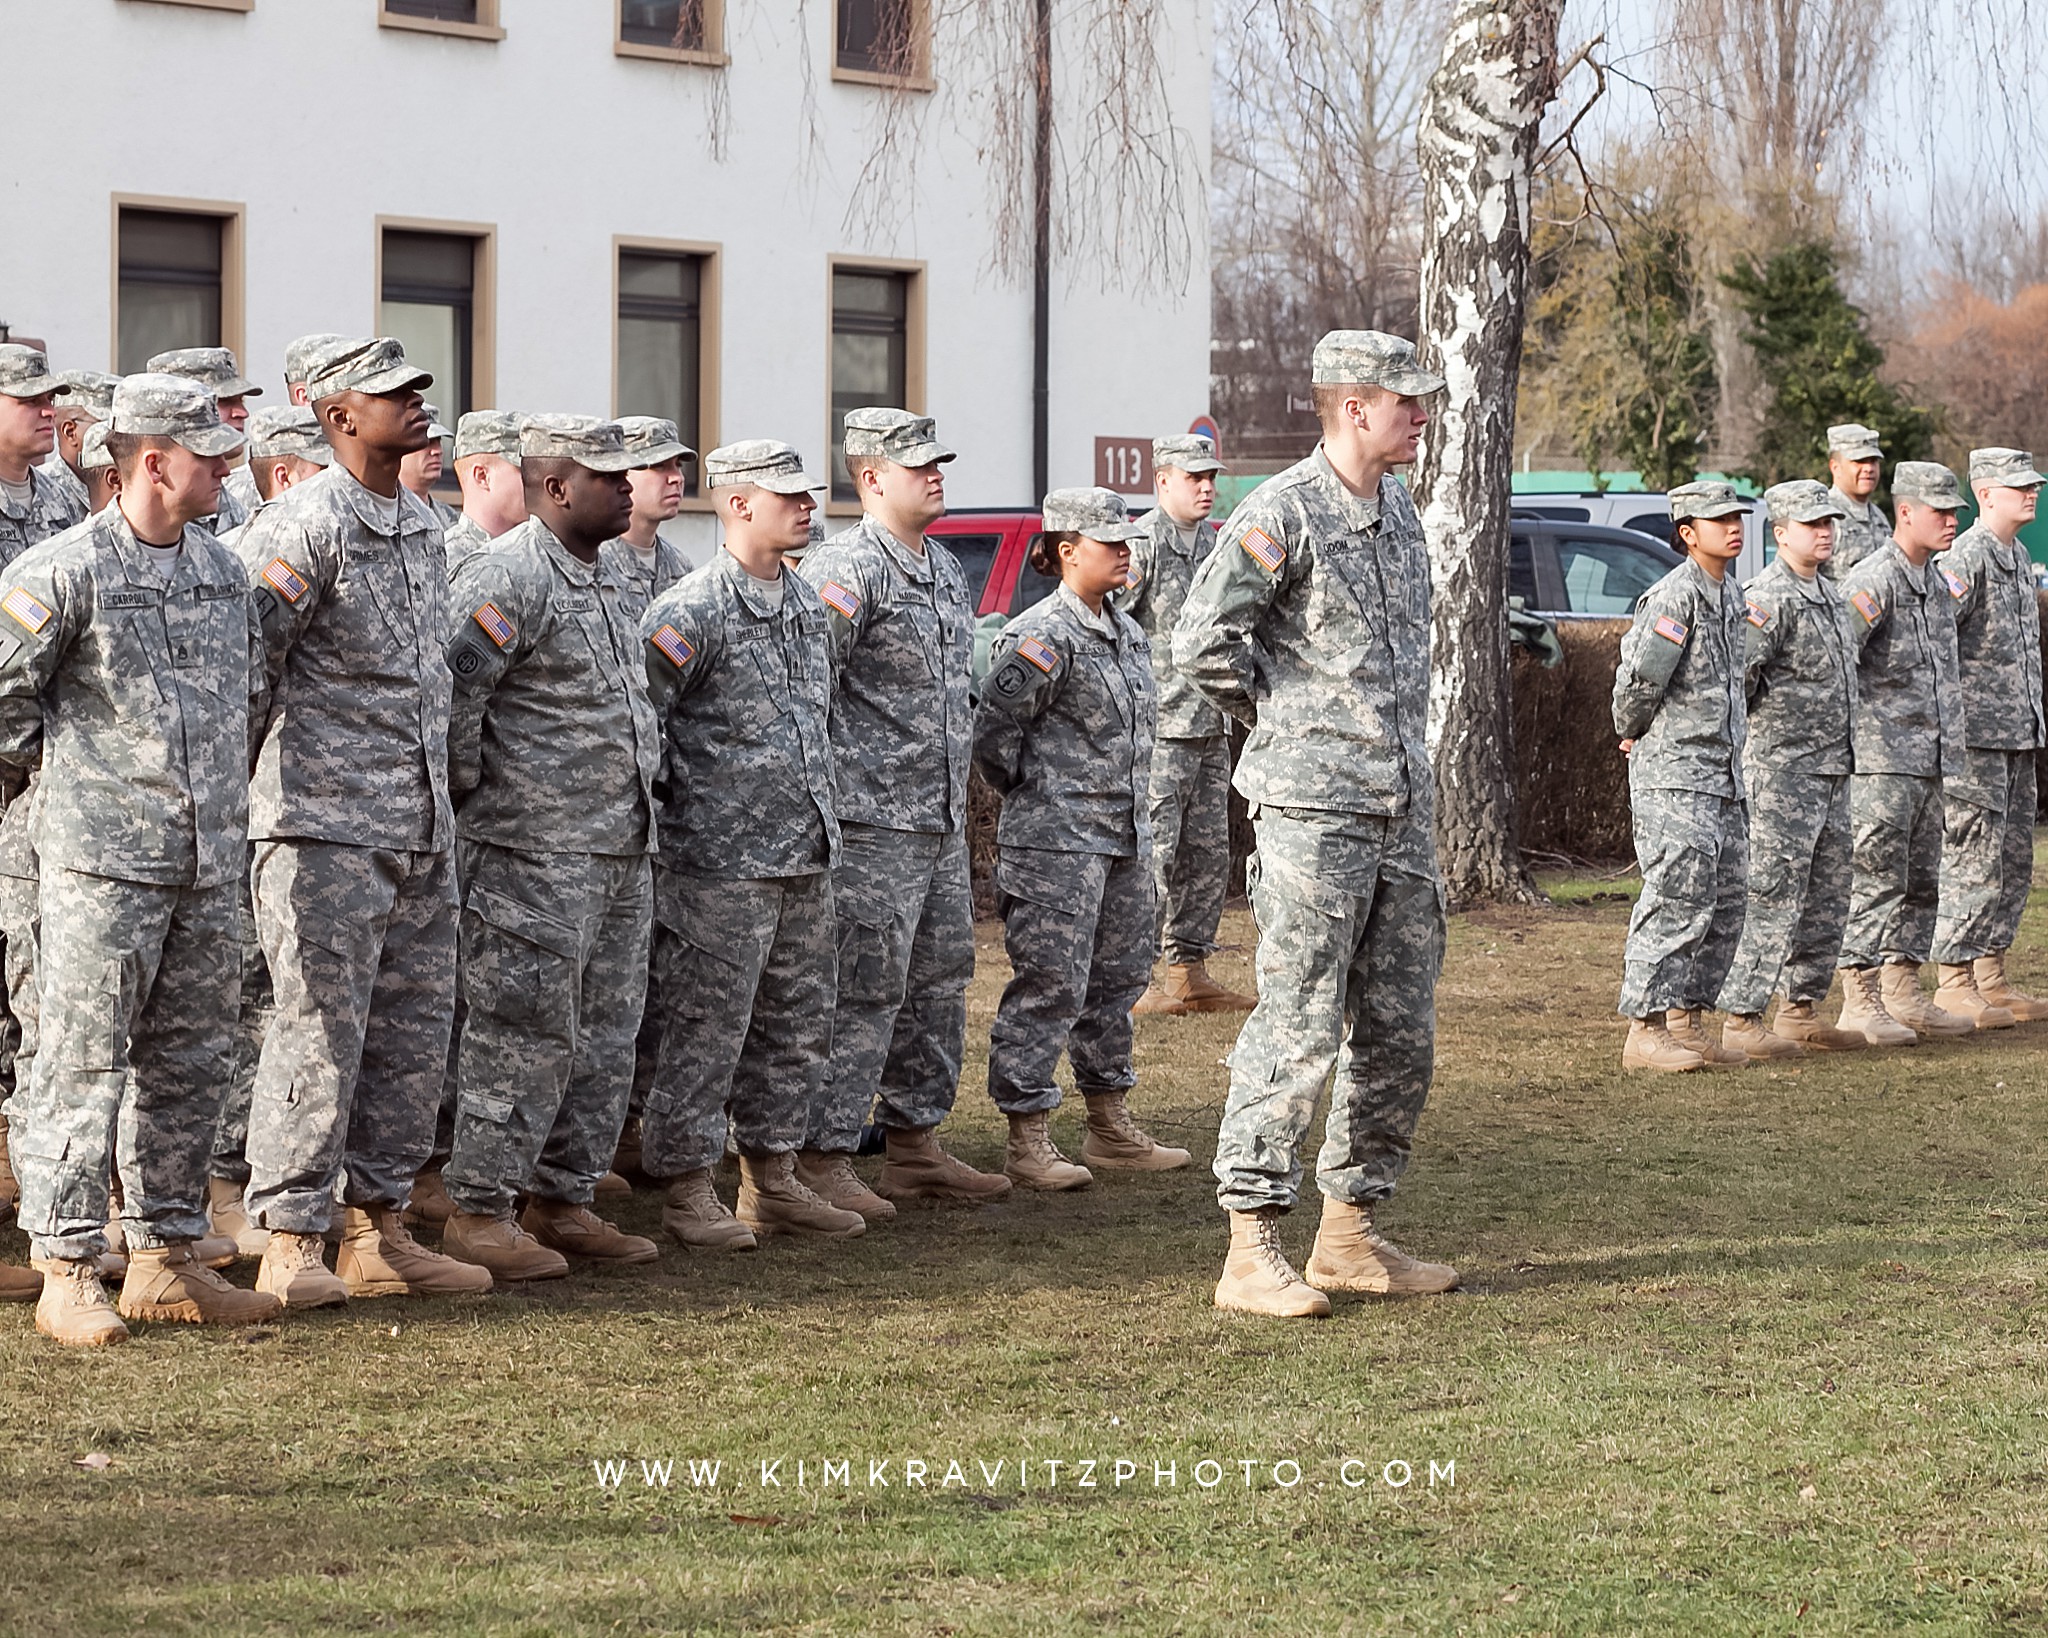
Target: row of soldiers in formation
1834, 766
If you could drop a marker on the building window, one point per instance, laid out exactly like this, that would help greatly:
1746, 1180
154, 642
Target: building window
876, 346
881, 40
434, 298
175, 282
685, 30
212, 5
476, 19
666, 299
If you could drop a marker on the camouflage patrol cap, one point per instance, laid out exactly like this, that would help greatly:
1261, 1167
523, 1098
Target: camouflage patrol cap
435, 428
893, 435
161, 405
1854, 443
299, 356
1706, 498
1371, 358
1927, 483
488, 432
1801, 501
25, 372
1189, 451
92, 448
374, 365
89, 390
1099, 514
763, 462
650, 440
2006, 468
215, 366
289, 429
585, 439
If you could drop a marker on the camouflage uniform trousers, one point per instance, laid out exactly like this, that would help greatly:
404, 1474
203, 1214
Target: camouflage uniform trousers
906, 953
231, 1132
1896, 888
1190, 807
554, 974
1800, 846
18, 912
1078, 927
140, 1012
746, 982
1694, 852
1987, 855
361, 946
1351, 938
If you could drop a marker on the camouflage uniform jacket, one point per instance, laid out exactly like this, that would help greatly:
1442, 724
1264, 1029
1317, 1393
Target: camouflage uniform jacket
743, 692
1313, 615
1902, 623
1678, 689
462, 540
54, 467
902, 631
1860, 530
1162, 570
1064, 730
552, 746
1799, 674
136, 695
639, 583
52, 508
1998, 641
355, 633
240, 486
229, 513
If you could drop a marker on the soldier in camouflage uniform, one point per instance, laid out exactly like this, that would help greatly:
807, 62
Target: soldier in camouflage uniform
1909, 738
902, 737
1678, 707
1799, 680
130, 671
1855, 463
1987, 858
552, 753
1063, 733
1190, 797
422, 469
1311, 620
215, 369
493, 493
96, 469
354, 881
86, 402
241, 484
739, 667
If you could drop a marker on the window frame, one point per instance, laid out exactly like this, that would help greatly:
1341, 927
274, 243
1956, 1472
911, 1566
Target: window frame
232, 216
483, 293
914, 309
486, 26
918, 79
206, 5
712, 54
711, 254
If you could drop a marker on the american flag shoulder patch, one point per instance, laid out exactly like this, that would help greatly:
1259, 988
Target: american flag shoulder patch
837, 598
1759, 616
27, 612
496, 627
1039, 654
1672, 631
1957, 585
674, 646
1264, 550
285, 580
1866, 605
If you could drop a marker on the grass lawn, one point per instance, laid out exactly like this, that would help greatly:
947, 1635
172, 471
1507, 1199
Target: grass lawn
1755, 1352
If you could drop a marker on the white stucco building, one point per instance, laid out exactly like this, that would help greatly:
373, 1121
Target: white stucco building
558, 207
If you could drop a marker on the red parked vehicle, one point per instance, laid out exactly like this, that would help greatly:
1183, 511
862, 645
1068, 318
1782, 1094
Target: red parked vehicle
991, 546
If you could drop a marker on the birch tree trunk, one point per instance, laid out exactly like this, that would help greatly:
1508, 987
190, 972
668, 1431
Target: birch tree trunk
1478, 146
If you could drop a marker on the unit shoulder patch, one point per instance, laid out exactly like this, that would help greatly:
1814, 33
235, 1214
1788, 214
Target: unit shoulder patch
1867, 606
27, 613
1042, 655
1958, 587
1672, 631
287, 581
1758, 615
496, 627
1264, 550
839, 599
674, 646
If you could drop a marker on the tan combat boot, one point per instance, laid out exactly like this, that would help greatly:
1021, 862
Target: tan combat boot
1258, 1278
1797, 1021
1684, 1025
772, 1201
1119, 1144
1189, 983
19, 1284
831, 1177
429, 1204
917, 1171
74, 1309
1350, 1255
230, 1218
380, 1258
1745, 1033
169, 1283
1034, 1160
579, 1234
1899, 983
1996, 988
1650, 1046
626, 1158
1156, 1003
694, 1216
10, 1185
1864, 1012
294, 1270
497, 1243
1957, 992
613, 1186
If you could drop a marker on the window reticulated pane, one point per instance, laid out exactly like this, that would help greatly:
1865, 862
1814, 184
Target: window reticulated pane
870, 353
428, 306
676, 25
660, 362
874, 36
441, 11
170, 284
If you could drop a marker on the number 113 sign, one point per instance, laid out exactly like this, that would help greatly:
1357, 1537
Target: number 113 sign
1124, 464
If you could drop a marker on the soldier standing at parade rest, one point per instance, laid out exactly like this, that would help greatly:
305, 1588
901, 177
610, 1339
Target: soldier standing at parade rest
1799, 680
215, 369
1063, 733
1989, 808
1190, 796
86, 402
354, 879
131, 672
1311, 621
1678, 707
1855, 463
